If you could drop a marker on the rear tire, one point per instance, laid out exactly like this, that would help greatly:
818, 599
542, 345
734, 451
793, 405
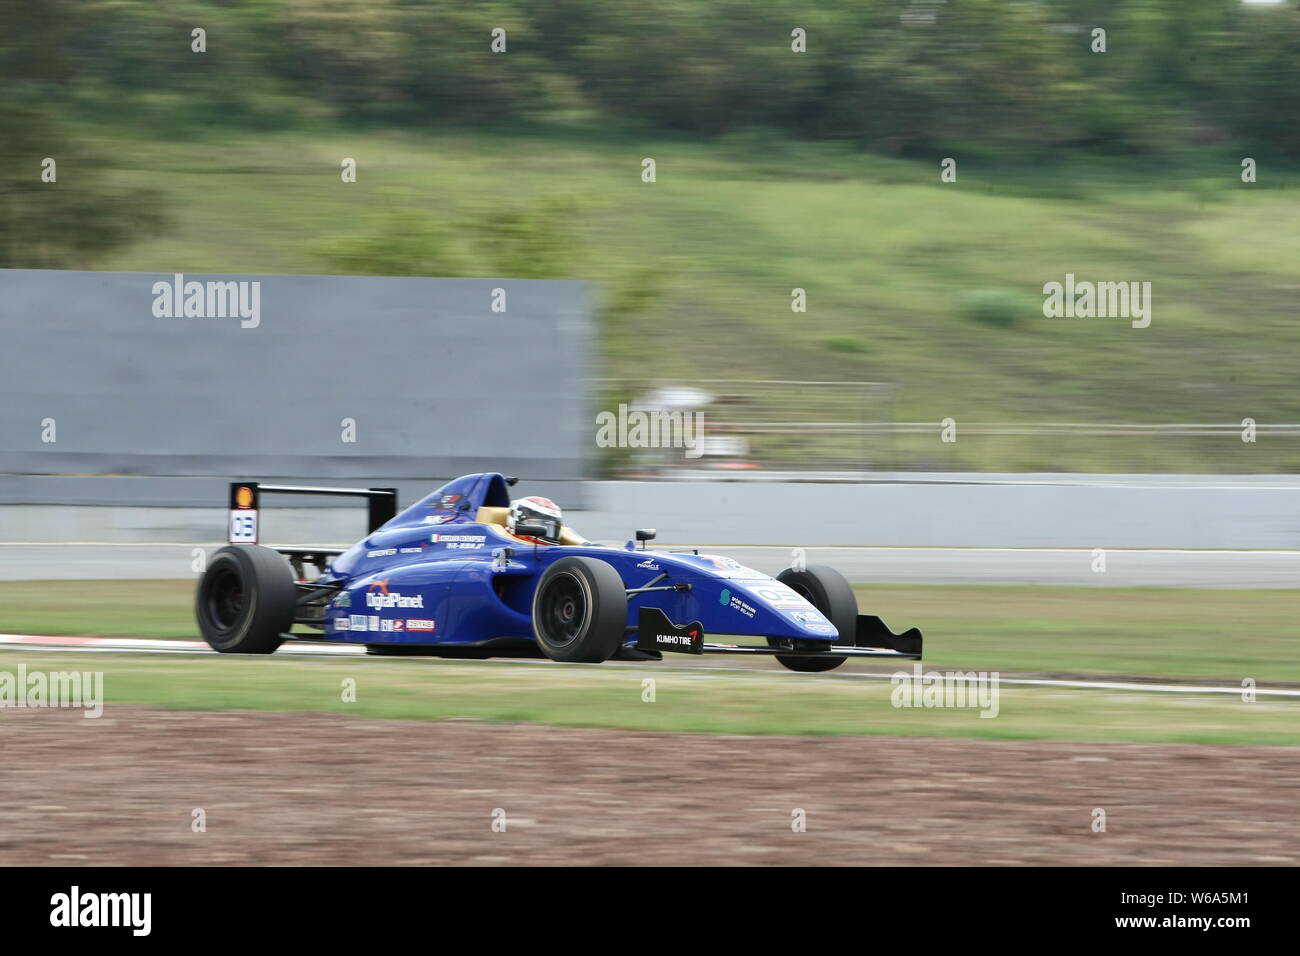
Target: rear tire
580, 610
246, 600
826, 590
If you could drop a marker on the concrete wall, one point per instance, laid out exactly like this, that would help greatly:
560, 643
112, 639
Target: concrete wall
410, 360
1086, 512
1254, 513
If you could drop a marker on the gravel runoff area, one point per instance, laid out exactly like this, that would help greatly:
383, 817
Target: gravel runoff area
306, 788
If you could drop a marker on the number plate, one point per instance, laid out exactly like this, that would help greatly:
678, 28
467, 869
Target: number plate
243, 526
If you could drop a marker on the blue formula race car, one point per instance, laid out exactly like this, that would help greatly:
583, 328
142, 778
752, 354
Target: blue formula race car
466, 572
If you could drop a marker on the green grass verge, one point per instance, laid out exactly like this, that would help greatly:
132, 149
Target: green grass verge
1165, 632
100, 608
594, 696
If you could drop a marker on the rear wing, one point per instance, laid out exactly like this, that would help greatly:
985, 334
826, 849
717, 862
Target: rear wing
245, 504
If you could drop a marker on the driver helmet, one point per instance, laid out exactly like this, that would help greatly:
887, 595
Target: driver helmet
536, 510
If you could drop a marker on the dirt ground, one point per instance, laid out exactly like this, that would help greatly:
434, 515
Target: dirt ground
295, 788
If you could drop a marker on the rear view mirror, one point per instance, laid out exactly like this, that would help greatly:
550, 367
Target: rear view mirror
531, 530
645, 534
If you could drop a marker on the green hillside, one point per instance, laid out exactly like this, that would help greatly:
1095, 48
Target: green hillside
695, 270
796, 147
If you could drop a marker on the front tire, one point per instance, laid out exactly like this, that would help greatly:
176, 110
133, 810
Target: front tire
828, 591
580, 610
246, 600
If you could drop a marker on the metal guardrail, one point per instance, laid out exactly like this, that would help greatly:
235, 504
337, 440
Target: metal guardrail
1011, 428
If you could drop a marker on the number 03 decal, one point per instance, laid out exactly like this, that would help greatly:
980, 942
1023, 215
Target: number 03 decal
243, 527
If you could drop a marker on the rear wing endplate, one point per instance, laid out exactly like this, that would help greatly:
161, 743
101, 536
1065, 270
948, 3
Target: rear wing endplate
245, 504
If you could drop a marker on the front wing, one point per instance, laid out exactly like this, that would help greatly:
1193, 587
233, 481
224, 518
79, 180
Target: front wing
655, 632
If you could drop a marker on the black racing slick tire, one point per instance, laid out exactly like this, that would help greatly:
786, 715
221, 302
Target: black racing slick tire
580, 610
826, 590
246, 600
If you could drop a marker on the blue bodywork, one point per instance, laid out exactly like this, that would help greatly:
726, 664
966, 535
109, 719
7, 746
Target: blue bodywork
438, 575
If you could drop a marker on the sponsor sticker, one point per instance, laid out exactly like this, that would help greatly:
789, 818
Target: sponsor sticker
721, 563
809, 617
420, 624
341, 622
656, 633
732, 569
358, 622
378, 596
744, 608
381, 552
462, 542
727, 599
674, 642
782, 597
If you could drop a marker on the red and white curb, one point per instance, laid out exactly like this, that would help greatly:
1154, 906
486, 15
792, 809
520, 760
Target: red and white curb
152, 645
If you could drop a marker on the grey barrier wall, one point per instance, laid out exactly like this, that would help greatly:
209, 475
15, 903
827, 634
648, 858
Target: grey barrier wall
1155, 512
260, 384
152, 410
1258, 513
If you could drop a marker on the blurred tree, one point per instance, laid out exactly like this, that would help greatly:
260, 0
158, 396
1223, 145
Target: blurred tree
408, 243
352, 52
1257, 66
531, 240
906, 76
681, 64
59, 223
534, 240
